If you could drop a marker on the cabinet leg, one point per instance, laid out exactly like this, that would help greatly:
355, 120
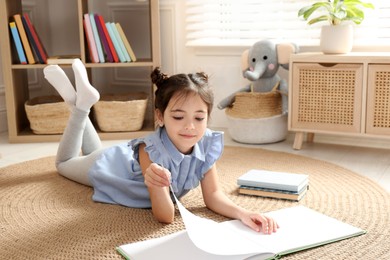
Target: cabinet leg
298, 140
310, 137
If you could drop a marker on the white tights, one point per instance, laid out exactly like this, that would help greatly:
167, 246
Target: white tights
79, 134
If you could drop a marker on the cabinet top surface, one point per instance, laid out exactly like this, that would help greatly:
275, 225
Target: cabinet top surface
349, 57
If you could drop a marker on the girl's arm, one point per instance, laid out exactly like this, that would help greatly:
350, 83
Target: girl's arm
218, 202
157, 179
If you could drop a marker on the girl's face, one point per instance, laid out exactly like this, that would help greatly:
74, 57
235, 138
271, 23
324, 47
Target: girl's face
185, 120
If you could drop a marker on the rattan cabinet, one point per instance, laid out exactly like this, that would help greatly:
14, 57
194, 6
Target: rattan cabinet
339, 94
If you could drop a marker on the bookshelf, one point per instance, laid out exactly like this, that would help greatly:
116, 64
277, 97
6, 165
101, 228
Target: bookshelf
16, 81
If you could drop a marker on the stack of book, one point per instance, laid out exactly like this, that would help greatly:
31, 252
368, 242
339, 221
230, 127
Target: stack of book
27, 42
280, 185
106, 41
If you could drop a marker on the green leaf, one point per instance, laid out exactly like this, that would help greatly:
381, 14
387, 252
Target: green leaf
318, 19
336, 11
358, 2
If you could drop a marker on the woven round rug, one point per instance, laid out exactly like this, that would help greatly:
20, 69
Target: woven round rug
46, 216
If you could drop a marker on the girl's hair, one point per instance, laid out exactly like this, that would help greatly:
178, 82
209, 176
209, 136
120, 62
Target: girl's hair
183, 85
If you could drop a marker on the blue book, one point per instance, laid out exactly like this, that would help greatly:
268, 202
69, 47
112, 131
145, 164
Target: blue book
18, 43
274, 180
97, 38
121, 44
115, 42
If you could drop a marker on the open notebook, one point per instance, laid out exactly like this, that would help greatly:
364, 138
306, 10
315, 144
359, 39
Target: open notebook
300, 228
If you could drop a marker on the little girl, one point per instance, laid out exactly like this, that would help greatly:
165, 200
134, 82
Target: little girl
181, 152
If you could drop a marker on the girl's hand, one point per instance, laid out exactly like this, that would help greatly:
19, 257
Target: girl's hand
260, 222
157, 176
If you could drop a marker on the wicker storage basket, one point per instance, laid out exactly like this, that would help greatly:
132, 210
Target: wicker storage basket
47, 114
256, 105
121, 112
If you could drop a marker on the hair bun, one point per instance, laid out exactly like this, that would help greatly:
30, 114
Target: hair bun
158, 78
203, 76
199, 78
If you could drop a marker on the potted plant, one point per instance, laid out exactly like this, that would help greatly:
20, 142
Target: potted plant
337, 37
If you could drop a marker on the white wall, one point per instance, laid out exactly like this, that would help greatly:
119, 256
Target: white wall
222, 64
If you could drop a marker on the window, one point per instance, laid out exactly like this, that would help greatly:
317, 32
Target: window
242, 22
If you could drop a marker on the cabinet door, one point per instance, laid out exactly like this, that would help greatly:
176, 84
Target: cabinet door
326, 97
378, 99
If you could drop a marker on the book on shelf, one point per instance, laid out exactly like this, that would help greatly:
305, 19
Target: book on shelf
115, 42
39, 47
93, 54
120, 41
103, 39
301, 228
34, 47
33, 44
274, 180
23, 37
107, 38
272, 193
62, 59
98, 42
18, 43
126, 42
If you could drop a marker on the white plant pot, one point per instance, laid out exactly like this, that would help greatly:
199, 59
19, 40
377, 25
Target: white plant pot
336, 39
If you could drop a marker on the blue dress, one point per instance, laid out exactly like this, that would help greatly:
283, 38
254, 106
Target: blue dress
117, 177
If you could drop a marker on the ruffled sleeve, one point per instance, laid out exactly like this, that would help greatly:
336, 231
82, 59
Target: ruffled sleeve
153, 147
212, 148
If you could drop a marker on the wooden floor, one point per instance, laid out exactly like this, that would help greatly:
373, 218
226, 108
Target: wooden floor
367, 157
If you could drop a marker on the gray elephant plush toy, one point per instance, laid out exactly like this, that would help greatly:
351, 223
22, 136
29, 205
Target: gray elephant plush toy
260, 65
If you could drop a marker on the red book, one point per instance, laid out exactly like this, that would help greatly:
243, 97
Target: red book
107, 35
34, 46
40, 50
103, 39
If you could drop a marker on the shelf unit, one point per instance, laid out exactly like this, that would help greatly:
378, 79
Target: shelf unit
345, 94
16, 82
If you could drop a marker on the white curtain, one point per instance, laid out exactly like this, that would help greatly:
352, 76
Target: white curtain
242, 22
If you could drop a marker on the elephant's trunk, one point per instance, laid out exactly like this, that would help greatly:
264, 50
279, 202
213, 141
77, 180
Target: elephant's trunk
254, 73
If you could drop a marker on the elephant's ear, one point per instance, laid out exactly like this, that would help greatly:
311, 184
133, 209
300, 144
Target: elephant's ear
284, 50
244, 60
